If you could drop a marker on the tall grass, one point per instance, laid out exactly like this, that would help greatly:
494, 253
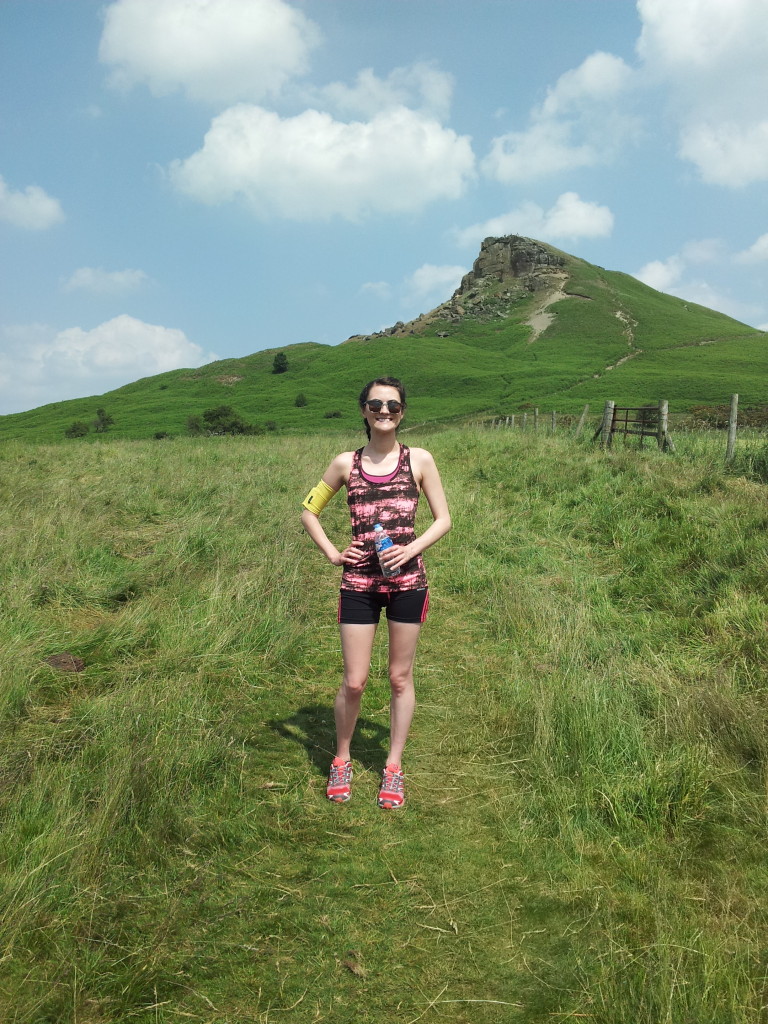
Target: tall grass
587, 774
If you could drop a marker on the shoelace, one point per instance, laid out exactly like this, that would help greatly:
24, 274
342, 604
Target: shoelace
340, 774
392, 781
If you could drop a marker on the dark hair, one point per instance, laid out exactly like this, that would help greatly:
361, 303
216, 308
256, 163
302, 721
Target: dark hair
386, 382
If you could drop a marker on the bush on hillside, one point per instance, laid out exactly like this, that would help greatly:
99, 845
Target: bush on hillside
103, 421
222, 420
300, 401
77, 429
334, 415
280, 363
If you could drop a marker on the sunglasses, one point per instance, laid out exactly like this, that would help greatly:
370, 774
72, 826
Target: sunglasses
376, 405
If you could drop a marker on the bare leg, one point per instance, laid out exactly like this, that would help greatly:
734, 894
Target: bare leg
356, 649
403, 637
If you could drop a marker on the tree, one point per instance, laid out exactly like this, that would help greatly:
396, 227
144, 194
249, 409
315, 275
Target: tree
300, 401
280, 363
77, 429
102, 422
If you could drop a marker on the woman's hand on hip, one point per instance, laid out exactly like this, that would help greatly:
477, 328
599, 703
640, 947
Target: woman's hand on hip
350, 555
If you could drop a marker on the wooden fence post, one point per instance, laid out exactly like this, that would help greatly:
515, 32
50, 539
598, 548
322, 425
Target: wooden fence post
536, 418
554, 421
513, 421
666, 444
733, 420
582, 420
525, 420
605, 429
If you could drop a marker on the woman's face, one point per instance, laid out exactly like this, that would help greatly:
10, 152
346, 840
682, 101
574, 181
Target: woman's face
382, 419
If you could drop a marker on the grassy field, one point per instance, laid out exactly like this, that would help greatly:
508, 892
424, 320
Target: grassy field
587, 775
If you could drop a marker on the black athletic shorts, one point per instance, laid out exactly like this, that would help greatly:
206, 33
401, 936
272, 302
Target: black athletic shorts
363, 607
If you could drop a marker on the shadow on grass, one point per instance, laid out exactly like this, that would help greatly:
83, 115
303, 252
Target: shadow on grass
313, 727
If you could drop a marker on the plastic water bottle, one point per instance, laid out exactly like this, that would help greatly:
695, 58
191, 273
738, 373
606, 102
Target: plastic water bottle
382, 540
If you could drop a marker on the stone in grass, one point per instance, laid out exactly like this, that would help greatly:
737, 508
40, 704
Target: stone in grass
65, 662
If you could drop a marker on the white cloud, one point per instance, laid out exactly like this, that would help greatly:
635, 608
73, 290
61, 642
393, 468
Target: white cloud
756, 253
709, 57
704, 69
311, 167
421, 86
692, 35
33, 208
40, 365
599, 79
704, 250
546, 148
672, 276
571, 217
95, 279
225, 51
661, 274
726, 153
579, 124
379, 289
434, 281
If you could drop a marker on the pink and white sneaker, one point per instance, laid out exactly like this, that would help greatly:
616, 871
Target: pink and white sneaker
339, 788
392, 790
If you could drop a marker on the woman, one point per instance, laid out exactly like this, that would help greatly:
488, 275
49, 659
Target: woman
383, 481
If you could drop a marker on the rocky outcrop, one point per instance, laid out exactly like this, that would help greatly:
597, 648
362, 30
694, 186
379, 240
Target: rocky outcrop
513, 260
506, 270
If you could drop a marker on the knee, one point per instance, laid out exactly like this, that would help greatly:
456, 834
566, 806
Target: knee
353, 686
400, 682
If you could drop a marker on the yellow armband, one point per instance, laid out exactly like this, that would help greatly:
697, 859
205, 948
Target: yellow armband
318, 498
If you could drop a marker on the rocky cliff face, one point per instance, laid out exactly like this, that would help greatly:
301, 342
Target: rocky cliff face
506, 270
521, 263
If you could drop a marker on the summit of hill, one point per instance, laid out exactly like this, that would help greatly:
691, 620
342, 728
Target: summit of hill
529, 325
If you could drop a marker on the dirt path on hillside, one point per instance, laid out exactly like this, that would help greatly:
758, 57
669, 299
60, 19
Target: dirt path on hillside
541, 318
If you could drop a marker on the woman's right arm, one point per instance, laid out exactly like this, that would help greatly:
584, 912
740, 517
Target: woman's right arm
336, 475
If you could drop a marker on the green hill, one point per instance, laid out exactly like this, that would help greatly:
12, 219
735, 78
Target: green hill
530, 325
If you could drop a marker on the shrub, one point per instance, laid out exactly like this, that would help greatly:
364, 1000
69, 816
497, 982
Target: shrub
300, 401
334, 415
195, 425
280, 363
77, 429
224, 420
103, 421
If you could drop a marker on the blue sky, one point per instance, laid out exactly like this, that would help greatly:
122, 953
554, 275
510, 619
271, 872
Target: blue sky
184, 180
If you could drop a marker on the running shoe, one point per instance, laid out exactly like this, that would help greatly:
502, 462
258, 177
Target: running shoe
339, 788
392, 790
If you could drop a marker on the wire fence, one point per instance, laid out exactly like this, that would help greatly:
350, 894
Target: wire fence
714, 435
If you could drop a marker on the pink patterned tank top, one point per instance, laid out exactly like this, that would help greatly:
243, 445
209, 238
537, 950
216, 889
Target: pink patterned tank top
390, 500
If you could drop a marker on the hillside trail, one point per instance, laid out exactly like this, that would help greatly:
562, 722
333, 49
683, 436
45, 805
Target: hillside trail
541, 318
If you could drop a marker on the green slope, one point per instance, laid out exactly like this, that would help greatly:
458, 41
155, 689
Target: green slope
611, 337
